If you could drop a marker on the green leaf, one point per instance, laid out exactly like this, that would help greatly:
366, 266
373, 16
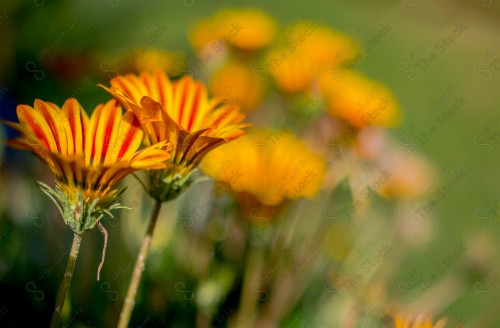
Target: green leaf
378, 203
342, 204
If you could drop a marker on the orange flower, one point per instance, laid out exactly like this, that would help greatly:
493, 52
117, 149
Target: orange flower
152, 59
182, 113
237, 84
89, 157
266, 169
320, 44
361, 102
307, 48
291, 73
246, 29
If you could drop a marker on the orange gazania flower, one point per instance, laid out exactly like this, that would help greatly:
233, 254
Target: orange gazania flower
306, 49
358, 100
321, 45
152, 59
291, 73
182, 113
266, 169
236, 83
88, 156
246, 29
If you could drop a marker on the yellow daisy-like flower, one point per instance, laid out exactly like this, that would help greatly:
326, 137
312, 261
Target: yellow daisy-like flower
150, 60
266, 169
89, 157
321, 44
290, 72
237, 84
358, 100
246, 29
180, 112
420, 321
307, 48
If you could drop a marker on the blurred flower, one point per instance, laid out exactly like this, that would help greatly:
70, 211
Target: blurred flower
410, 174
236, 83
88, 156
306, 49
150, 60
265, 169
320, 45
245, 29
410, 177
181, 113
291, 73
359, 101
420, 321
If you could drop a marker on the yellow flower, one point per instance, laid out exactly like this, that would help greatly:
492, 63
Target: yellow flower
265, 169
291, 73
246, 29
421, 321
320, 44
182, 113
358, 100
88, 156
150, 60
237, 84
306, 49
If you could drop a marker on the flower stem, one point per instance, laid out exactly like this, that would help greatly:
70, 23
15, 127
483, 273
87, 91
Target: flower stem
252, 283
128, 304
66, 282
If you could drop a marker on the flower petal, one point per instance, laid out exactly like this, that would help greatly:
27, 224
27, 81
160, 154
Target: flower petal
78, 120
152, 157
34, 122
57, 123
129, 136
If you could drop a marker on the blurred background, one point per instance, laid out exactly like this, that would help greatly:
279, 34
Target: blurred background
441, 60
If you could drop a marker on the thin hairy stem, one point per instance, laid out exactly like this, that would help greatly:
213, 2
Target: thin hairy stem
105, 234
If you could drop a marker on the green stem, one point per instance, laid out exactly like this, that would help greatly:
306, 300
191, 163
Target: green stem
128, 305
66, 282
251, 286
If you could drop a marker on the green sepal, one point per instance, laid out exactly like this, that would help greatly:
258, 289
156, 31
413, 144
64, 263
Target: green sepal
169, 186
84, 214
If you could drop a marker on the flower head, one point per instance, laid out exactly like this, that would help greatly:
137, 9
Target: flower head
305, 50
89, 157
237, 84
358, 100
246, 29
291, 73
152, 59
266, 169
182, 113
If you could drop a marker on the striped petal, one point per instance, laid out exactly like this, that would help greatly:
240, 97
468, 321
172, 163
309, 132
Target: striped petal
77, 121
152, 157
90, 135
107, 125
192, 96
131, 85
129, 137
36, 125
165, 127
56, 122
